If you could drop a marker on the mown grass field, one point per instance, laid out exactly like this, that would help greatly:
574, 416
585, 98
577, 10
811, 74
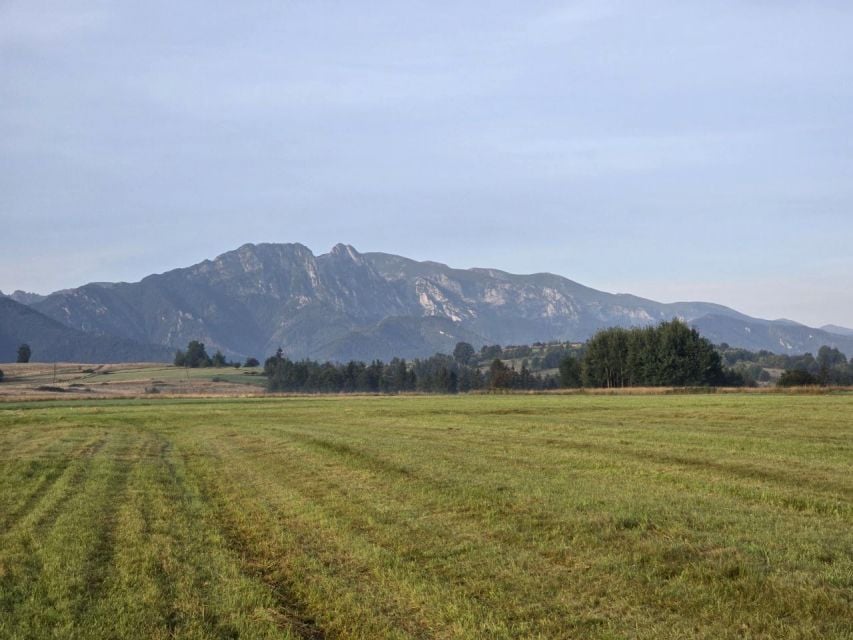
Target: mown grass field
41, 373
690, 516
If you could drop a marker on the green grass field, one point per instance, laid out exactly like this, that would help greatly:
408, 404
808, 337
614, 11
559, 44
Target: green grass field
686, 516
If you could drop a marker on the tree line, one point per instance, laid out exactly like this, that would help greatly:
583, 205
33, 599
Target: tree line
829, 368
670, 354
438, 374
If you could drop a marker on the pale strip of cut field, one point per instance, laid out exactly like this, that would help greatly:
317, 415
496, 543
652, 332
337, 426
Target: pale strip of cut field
34, 381
682, 516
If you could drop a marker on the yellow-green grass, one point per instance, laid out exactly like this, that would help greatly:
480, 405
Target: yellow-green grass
695, 516
19, 376
170, 374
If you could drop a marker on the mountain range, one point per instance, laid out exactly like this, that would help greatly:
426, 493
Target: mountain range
347, 305
53, 341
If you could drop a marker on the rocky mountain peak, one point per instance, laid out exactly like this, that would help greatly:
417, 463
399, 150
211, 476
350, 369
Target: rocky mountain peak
346, 252
346, 304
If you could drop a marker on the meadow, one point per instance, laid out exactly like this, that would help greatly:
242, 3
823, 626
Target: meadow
515, 516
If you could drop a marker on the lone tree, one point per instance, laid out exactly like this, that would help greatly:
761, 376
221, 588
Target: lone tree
24, 353
463, 352
500, 375
195, 356
251, 362
570, 372
831, 363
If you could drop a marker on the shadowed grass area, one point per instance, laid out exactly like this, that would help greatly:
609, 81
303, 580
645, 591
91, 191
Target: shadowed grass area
429, 517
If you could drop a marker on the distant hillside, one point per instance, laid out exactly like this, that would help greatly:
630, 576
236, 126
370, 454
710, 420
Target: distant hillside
345, 304
52, 341
778, 337
834, 328
24, 297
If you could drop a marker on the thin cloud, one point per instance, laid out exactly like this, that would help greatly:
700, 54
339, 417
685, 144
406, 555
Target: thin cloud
40, 23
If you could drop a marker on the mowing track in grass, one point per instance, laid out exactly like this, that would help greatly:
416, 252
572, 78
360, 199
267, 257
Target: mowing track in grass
411, 517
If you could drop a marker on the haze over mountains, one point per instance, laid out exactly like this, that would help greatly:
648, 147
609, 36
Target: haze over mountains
346, 305
54, 341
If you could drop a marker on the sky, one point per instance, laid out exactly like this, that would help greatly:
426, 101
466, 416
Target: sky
674, 150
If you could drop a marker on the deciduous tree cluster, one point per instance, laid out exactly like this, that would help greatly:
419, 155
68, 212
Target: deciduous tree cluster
669, 354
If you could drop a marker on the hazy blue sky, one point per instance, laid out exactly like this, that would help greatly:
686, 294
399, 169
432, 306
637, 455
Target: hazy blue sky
676, 150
